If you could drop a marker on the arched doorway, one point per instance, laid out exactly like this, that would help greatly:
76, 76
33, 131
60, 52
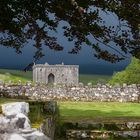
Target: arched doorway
51, 78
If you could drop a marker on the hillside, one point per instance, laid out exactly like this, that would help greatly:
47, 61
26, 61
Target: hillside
16, 75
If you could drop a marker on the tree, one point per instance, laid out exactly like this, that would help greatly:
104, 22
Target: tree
19, 23
130, 75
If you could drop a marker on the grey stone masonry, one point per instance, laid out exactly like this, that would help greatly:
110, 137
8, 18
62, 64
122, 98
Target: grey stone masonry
59, 74
102, 93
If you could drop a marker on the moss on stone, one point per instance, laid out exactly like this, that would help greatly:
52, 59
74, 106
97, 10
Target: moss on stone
36, 113
36, 125
0, 109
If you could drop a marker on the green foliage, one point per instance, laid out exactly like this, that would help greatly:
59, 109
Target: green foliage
131, 75
20, 23
0, 109
18, 73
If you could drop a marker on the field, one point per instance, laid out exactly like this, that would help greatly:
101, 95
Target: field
81, 110
109, 111
94, 79
94, 111
16, 75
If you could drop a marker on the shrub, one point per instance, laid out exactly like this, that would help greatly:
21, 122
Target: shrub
131, 75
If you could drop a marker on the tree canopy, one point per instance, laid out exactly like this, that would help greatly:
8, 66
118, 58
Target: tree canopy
131, 75
22, 21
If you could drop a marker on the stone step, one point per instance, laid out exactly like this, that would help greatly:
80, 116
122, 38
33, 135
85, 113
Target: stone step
96, 134
127, 126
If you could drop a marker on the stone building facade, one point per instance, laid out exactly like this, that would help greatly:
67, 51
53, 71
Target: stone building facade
59, 74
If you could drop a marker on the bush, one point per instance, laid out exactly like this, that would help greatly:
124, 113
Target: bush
131, 75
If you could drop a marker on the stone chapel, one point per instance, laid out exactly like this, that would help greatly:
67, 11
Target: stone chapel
59, 74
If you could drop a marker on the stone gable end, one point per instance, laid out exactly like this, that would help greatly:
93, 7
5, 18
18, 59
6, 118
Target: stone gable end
59, 74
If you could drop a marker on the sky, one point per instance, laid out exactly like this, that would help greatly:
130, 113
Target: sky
88, 63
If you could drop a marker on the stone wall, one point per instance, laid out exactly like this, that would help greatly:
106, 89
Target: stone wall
90, 92
15, 124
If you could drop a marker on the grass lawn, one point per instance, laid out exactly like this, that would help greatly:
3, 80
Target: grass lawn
94, 111
94, 79
110, 111
9, 100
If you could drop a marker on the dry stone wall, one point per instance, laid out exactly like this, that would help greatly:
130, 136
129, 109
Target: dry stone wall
90, 92
15, 124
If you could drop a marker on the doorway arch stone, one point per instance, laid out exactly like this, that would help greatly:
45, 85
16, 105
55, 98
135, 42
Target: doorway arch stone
51, 78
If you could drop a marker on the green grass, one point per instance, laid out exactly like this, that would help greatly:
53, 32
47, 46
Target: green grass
16, 75
98, 111
8, 100
94, 111
94, 79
